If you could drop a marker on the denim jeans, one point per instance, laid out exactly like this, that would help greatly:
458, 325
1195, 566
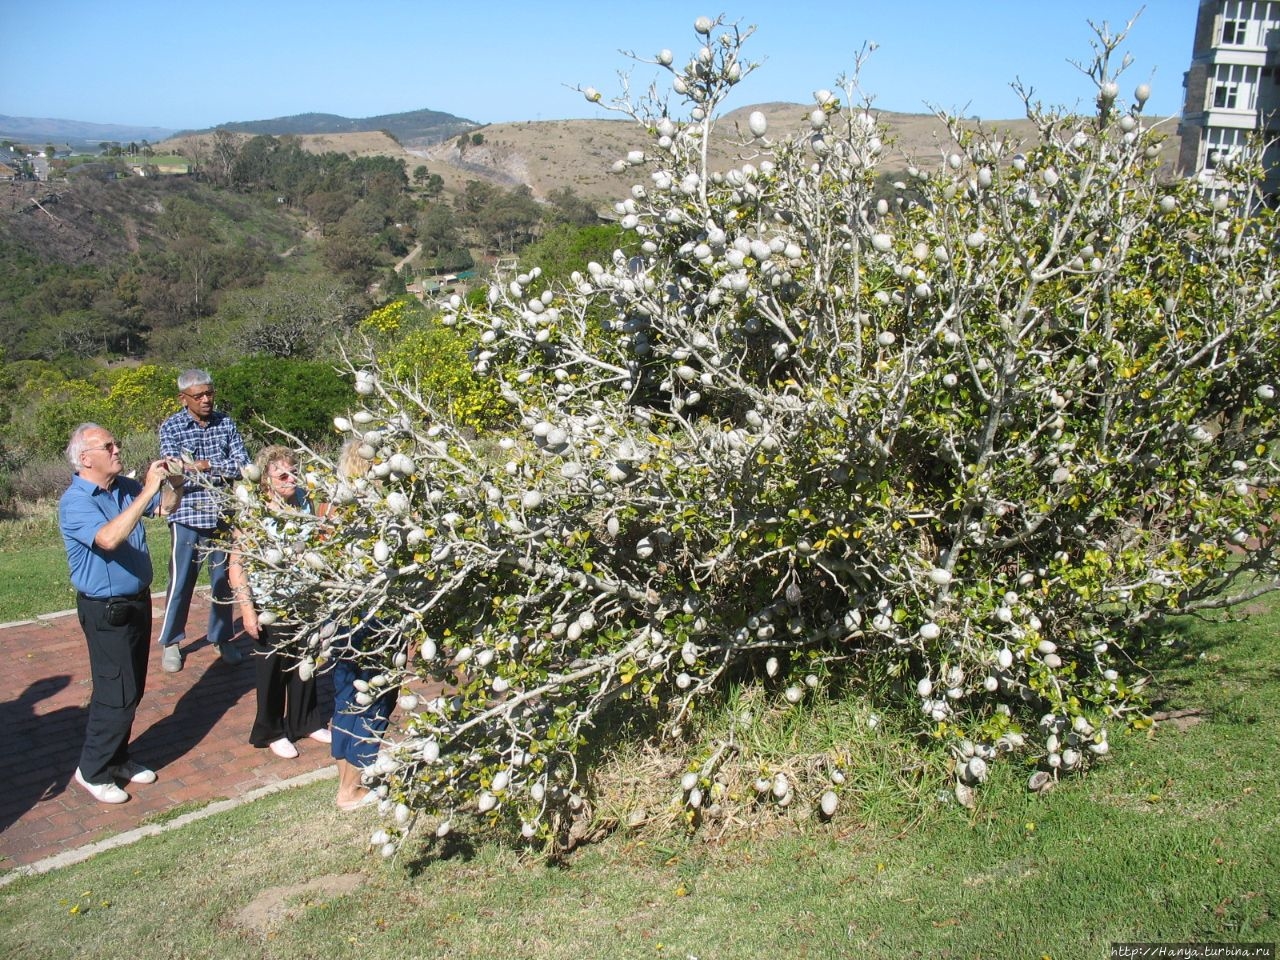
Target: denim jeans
189, 548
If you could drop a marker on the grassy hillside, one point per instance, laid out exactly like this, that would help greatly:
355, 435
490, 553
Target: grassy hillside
548, 155
552, 154
420, 127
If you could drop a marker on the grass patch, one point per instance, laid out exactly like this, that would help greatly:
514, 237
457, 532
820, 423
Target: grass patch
33, 563
173, 813
1172, 839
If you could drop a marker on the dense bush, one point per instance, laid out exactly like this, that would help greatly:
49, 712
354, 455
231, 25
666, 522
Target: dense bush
962, 443
568, 247
298, 397
416, 349
42, 406
46, 406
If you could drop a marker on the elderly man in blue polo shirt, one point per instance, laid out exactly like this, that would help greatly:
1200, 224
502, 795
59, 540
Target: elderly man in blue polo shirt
100, 516
209, 445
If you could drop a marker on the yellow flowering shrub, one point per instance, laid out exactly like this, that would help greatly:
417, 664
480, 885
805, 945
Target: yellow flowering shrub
437, 358
387, 320
140, 397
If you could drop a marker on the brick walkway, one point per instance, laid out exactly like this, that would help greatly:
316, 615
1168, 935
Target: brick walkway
192, 729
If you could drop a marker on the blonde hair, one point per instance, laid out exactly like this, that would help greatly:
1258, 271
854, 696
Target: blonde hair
350, 464
267, 458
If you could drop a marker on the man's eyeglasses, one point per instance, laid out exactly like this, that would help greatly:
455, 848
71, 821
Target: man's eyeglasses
284, 475
106, 446
201, 395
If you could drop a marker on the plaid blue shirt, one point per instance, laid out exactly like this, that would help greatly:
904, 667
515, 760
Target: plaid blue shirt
221, 445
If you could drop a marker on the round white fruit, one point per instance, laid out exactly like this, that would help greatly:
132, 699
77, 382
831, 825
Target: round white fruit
828, 803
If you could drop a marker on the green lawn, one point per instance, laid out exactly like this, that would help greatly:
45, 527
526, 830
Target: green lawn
1173, 839
33, 565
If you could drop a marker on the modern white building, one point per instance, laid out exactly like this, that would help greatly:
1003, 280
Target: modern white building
1233, 87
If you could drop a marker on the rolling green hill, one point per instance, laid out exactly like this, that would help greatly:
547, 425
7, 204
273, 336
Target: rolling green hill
415, 128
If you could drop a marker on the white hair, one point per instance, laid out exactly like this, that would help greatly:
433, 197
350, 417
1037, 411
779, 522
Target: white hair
78, 445
193, 378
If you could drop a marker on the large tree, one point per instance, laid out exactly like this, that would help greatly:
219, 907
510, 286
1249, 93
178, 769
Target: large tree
291, 316
965, 442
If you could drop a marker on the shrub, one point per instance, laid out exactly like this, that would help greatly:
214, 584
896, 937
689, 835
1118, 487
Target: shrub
963, 446
141, 397
124, 400
389, 319
415, 349
36, 479
270, 394
569, 247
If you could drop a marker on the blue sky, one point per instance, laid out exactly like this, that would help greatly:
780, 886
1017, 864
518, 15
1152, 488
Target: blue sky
192, 65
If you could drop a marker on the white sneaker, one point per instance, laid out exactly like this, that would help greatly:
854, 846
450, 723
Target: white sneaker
102, 792
133, 772
171, 659
322, 735
283, 748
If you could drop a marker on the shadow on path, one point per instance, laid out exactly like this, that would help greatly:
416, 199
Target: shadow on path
43, 748
195, 714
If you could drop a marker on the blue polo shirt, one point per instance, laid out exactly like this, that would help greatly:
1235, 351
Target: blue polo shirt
84, 509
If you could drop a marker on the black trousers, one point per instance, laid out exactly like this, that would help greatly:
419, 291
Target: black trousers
118, 663
287, 704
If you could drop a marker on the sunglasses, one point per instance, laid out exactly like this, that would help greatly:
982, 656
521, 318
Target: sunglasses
203, 394
106, 446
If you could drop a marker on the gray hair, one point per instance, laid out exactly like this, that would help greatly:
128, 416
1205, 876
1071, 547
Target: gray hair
78, 444
193, 378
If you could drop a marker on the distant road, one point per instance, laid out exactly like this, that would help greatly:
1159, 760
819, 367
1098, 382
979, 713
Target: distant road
409, 256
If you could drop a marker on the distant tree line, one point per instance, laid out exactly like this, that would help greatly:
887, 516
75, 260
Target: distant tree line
112, 148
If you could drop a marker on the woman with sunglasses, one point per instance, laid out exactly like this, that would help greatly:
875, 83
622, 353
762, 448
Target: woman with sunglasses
287, 707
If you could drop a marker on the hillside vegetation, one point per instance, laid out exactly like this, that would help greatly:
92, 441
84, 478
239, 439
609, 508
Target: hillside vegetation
550, 155
416, 127
277, 244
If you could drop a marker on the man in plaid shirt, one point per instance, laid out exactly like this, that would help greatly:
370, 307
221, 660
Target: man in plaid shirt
209, 446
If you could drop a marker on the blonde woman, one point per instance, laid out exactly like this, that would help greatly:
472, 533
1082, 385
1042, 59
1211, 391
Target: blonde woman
287, 707
357, 730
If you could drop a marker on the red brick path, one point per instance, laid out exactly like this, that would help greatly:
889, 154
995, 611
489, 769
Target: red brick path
192, 729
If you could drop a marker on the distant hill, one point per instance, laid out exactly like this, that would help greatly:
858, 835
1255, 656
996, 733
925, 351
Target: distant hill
553, 154
545, 155
548, 155
417, 128
37, 131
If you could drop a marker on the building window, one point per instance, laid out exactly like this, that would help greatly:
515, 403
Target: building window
1220, 144
1233, 87
1233, 32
